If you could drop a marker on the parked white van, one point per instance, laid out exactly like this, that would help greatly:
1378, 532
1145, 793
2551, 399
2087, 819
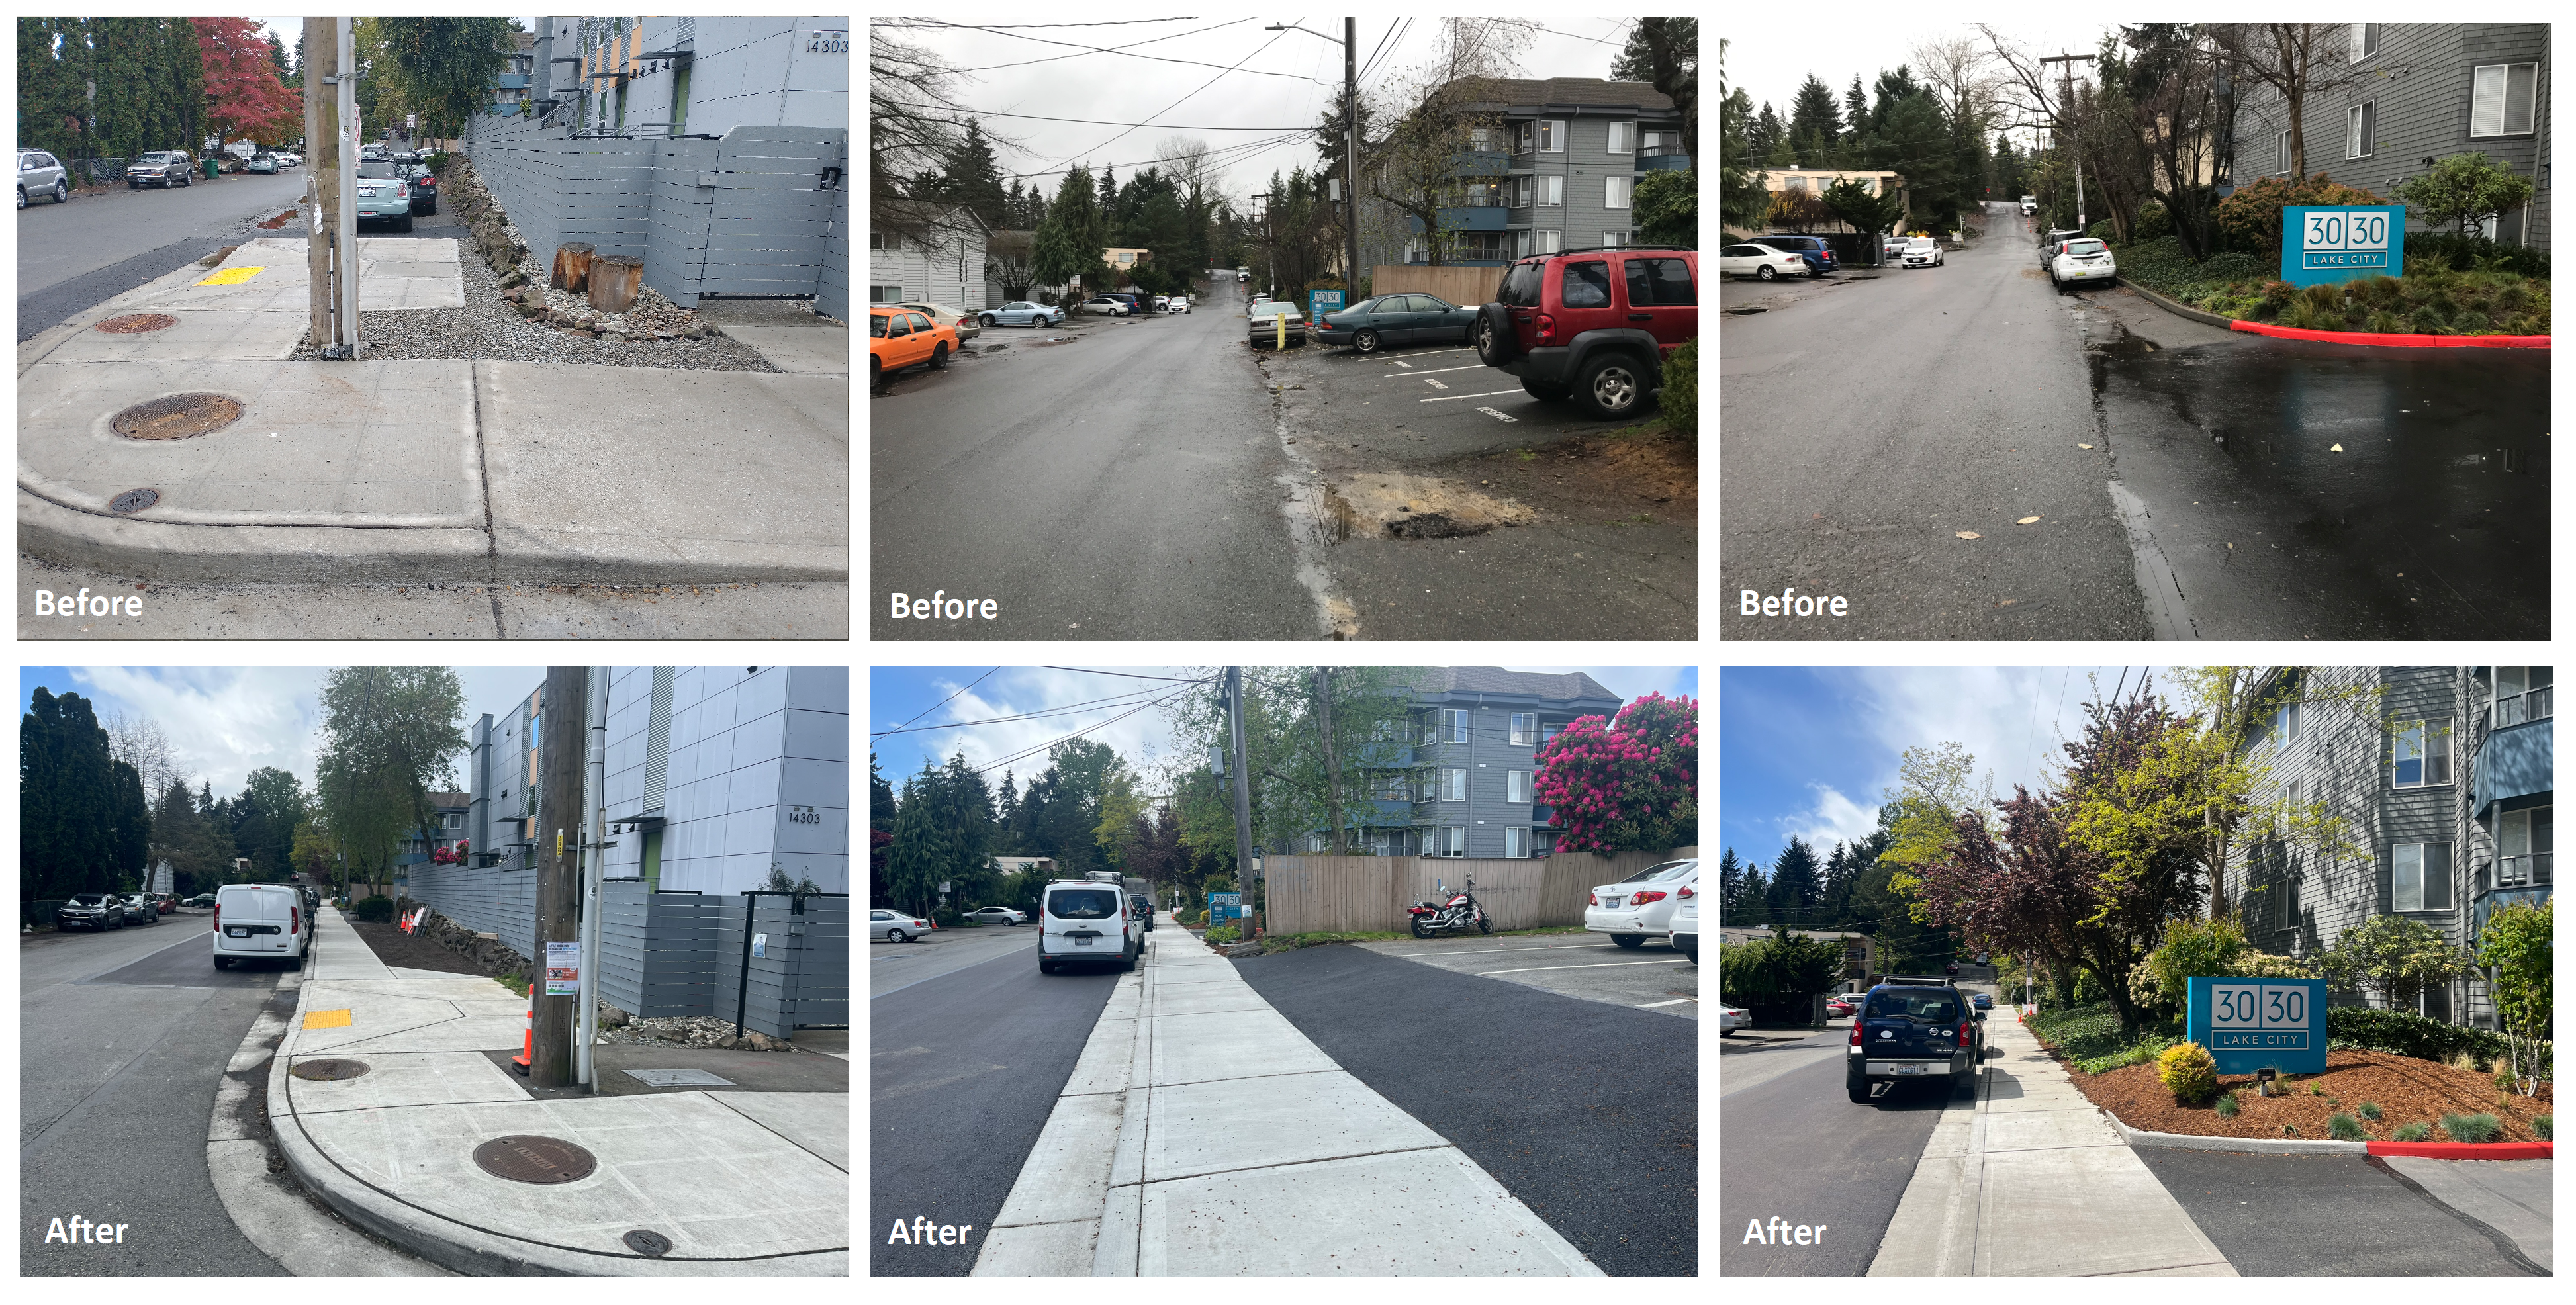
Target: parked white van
1082, 920
261, 922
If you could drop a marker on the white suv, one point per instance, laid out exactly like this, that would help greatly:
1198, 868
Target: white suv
261, 922
1640, 906
1083, 920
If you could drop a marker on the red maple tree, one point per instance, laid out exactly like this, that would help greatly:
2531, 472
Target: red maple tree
244, 98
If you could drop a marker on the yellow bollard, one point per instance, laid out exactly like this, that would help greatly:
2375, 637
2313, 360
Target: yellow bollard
1282, 320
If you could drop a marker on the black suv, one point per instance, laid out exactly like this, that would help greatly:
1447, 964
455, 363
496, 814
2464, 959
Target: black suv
1592, 325
1912, 1027
1144, 909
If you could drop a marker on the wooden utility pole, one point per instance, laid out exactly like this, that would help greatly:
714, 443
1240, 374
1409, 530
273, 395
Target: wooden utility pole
1242, 798
563, 734
321, 189
1332, 762
2074, 140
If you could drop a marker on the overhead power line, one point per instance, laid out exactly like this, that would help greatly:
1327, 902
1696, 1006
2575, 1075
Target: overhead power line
1159, 58
1109, 703
942, 702
1181, 101
1108, 122
1121, 49
1121, 22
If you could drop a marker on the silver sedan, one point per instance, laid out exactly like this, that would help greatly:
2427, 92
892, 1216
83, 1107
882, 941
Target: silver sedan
895, 926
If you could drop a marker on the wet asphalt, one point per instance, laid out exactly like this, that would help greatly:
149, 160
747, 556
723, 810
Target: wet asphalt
1870, 418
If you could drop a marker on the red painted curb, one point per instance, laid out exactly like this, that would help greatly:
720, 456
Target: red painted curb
2466, 1150
2392, 340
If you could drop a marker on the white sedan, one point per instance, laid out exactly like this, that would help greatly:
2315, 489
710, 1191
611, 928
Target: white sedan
1731, 1018
1177, 304
1922, 251
1105, 304
896, 926
1641, 906
996, 915
1759, 261
2079, 261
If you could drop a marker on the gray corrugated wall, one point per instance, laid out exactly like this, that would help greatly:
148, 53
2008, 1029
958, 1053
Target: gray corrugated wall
657, 953
803, 975
483, 899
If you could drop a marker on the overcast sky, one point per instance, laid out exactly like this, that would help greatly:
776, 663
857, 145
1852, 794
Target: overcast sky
225, 722
1285, 84
1771, 60
1809, 751
899, 694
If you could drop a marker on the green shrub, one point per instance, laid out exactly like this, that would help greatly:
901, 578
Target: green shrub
2408, 1034
2475, 253
379, 909
2472, 1128
2412, 1133
2385, 323
2345, 1128
1227, 933
2541, 1126
2227, 1105
2152, 221
2249, 220
1681, 391
2289, 1130
2188, 1071
2370, 1110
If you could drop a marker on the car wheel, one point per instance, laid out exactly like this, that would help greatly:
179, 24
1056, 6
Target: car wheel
1631, 941
1613, 387
1857, 1086
986, 321
897, 935
1128, 958
938, 356
1366, 342
132, 184
22, 197
875, 369
1045, 966
296, 962
406, 221
1766, 272
223, 962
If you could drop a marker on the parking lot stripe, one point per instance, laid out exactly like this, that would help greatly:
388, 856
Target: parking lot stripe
1471, 367
1486, 395
1405, 365
1677, 1001
1433, 384
1605, 965
1498, 414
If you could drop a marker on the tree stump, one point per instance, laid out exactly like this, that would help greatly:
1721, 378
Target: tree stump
615, 280
572, 268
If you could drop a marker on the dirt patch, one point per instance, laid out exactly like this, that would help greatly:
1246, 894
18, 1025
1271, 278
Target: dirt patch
2406, 1090
410, 951
1639, 477
1402, 506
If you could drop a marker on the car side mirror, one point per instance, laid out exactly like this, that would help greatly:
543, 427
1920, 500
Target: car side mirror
1981, 1017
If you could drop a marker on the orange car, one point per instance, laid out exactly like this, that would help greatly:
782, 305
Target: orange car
903, 337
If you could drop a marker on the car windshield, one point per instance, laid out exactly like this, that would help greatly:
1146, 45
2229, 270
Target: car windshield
376, 168
1273, 308
1922, 1005
2086, 247
1083, 904
84, 899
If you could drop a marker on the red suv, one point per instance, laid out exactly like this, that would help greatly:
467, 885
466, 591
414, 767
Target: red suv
1593, 325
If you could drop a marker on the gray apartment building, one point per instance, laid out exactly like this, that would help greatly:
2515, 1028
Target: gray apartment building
1560, 172
2444, 788
2400, 97
691, 75
1456, 782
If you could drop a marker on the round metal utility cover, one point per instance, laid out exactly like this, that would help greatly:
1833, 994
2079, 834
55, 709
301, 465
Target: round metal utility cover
529, 1159
133, 500
328, 1070
647, 1242
177, 417
138, 323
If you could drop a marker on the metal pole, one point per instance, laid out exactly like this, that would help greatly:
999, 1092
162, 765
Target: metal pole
1242, 797
347, 343
594, 855
558, 882
742, 991
1351, 158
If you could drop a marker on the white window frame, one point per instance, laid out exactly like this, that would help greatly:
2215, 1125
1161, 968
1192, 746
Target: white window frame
1523, 723
1550, 242
2534, 833
1551, 192
2360, 129
1456, 842
2525, 703
2281, 156
2503, 96
2429, 742
1615, 239
2285, 724
1457, 724
2366, 41
1618, 192
1549, 731
1515, 842
1551, 135
1524, 137
1453, 784
1623, 138
1658, 141
2409, 883
1516, 786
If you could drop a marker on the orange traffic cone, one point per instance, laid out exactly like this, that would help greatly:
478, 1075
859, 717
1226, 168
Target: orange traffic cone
528, 1045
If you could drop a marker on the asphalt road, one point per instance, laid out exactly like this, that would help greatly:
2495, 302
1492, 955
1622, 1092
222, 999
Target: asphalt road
78, 255
897, 965
2321, 1215
122, 1039
964, 1071
1587, 1113
1126, 483
2184, 480
1589, 966
1793, 1145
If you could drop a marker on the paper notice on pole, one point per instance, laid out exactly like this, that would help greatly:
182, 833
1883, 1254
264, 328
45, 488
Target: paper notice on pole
563, 969
760, 944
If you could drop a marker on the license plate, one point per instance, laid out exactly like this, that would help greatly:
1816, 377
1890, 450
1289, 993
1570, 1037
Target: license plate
1612, 901
1908, 1071
366, 190
237, 933
1081, 942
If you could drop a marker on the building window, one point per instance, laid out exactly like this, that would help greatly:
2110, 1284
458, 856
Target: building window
1516, 842
1614, 239
1453, 840
2281, 155
1661, 142
2361, 131
884, 242
2423, 754
1623, 138
1615, 194
1430, 727
1521, 723
1484, 194
2285, 723
1516, 786
1551, 191
2419, 877
2501, 98
2365, 40
1797, 183
1457, 726
1550, 242
1549, 731
2523, 841
1546, 135
1453, 785
1484, 138
1485, 246
2521, 694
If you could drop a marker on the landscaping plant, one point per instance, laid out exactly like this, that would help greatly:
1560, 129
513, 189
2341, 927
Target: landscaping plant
2515, 949
2472, 1128
2542, 1127
2370, 1110
2227, 1105
2345, 1128
2189, 1072
2412, 1133
378, 909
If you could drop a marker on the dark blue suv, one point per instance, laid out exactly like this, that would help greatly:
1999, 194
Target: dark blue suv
1911, 1027
1819, 255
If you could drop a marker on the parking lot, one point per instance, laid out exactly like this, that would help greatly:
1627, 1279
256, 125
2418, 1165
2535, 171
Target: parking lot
1586, 965
1436, 401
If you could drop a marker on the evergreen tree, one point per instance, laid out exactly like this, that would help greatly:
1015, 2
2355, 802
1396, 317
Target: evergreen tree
913, 859
1856, 108
973, 180
277, 60
1767, 133
70, 835
1795, 886
1069, 242
1814, 124
1730, 884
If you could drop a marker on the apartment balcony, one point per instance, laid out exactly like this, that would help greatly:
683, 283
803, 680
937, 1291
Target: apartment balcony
513, 82
1542, 817
2515, 762
1663, 163
1465, 217
1484, 163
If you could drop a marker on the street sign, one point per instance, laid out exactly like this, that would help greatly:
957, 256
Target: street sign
2322, 245
1224, 906
1325, 301
2253, 1024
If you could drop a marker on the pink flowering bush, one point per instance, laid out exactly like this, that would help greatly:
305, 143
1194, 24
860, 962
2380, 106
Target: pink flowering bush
1629, 784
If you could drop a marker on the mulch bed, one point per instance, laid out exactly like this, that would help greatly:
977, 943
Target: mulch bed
394, 947
2406, 1090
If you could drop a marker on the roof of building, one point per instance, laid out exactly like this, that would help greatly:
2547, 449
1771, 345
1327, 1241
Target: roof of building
1494, 679
451, 799
1582, 90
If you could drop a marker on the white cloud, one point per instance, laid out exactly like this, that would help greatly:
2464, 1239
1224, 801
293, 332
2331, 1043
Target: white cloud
223, 722
1832, 819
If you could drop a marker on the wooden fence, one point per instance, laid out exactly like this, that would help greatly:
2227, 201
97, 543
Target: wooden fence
1368, 894
1466, 286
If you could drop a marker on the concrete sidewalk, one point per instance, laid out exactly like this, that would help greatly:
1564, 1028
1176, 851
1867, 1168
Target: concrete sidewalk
452, 472
1242, 1149
738, 1182
2034, 1180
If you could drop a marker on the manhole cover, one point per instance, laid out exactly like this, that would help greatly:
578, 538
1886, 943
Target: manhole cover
677, 1078
649, 1242
133, 500
528, 1159
177, 417
329, 1070
137, 323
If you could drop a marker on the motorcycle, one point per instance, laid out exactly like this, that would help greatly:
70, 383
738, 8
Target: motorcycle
1461, 910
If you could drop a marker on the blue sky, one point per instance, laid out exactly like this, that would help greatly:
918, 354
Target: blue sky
896, 694
1807, 751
